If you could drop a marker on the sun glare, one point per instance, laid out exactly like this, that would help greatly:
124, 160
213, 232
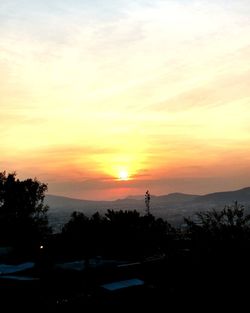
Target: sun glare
123, 175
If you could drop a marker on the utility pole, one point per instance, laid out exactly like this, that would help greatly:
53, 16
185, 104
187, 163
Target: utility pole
147, 202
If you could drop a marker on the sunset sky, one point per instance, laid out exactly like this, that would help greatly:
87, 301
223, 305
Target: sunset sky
92, 91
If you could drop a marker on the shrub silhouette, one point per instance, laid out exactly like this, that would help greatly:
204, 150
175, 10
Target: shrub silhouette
220, 227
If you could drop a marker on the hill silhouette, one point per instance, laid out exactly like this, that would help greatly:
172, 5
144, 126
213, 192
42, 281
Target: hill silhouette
173, 207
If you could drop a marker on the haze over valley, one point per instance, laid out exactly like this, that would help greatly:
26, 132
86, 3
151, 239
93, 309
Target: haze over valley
172, 207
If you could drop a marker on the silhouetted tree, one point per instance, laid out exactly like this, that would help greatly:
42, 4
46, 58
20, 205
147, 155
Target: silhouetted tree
147, 202
231, 221
220, 249
222, 233
76, 235
122, 233
23, 215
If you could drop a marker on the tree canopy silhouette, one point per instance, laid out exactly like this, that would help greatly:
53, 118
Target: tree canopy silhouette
222, 234
23, 215
121, 233
231, 221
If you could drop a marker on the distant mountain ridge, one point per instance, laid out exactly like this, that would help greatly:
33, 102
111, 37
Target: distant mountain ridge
173, 207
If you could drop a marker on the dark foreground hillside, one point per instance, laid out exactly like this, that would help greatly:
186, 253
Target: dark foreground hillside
168, 283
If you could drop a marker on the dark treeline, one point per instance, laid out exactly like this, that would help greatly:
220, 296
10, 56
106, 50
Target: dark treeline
209, 255
117, 234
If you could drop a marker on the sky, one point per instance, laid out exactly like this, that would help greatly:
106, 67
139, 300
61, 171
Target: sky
105, 99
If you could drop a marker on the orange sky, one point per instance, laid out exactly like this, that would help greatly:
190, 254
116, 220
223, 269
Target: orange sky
157, 89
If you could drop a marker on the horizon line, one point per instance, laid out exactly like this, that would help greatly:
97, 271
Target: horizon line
141, 195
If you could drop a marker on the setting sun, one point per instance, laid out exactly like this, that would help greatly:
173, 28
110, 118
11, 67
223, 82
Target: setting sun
123, 175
